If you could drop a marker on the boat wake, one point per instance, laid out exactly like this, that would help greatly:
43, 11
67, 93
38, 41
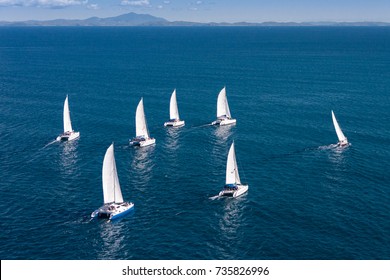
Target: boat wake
39, 152
328, 147
52, 142
102, 221
333, 147
202, 125
194, 127
214, 197
291, 154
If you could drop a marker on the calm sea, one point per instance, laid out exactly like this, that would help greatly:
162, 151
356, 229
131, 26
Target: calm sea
306, 199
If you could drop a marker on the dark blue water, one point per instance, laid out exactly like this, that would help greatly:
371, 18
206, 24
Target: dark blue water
306, 200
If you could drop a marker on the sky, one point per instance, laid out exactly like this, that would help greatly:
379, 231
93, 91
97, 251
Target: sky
201, 10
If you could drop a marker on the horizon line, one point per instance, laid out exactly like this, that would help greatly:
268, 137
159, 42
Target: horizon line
163, 20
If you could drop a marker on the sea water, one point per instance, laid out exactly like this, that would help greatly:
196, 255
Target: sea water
307, 199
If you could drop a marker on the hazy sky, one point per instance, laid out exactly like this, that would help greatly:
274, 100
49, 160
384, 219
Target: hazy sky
202, 10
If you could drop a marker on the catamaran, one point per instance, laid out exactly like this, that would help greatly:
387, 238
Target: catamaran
233, 186
343, 141
142, 137
69, 134
174, 119
114, 207
223, 113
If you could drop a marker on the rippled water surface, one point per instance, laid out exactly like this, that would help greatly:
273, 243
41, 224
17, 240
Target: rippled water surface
307, 199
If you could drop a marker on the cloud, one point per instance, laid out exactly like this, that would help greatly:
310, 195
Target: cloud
93, 6
167, 2
43, 3
199, 2
135, 3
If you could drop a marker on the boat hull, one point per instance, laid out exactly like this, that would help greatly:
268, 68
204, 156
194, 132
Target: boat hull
174, 123
113, 211
343, 143
68, 136
142, 142
241, 189
222, 122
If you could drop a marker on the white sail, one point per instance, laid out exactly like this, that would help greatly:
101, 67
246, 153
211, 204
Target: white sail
140, 121
339, 133
67, 122
232, 176
111, 187
222, 104
173, 110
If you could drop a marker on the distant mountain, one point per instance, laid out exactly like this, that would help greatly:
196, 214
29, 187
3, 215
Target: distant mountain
130, 19
133, 19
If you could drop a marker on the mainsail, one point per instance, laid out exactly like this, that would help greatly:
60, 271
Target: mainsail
222, 104
232, 176
140, 121
173, 110
111, 187
67, 122
339, 133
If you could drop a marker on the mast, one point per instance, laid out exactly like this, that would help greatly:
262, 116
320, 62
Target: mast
227, 107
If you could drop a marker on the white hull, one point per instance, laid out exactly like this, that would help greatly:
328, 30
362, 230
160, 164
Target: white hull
68, 136
241, 189
222, 122
344, 143
175, 123
113, 210
142, 142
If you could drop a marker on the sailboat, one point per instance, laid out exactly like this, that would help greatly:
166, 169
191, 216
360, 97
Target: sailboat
343, 141
174, 119
233, 186
223, 113
69, 134
142, 137
114, 207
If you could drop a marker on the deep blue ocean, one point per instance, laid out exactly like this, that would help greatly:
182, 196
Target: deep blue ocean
306, 199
